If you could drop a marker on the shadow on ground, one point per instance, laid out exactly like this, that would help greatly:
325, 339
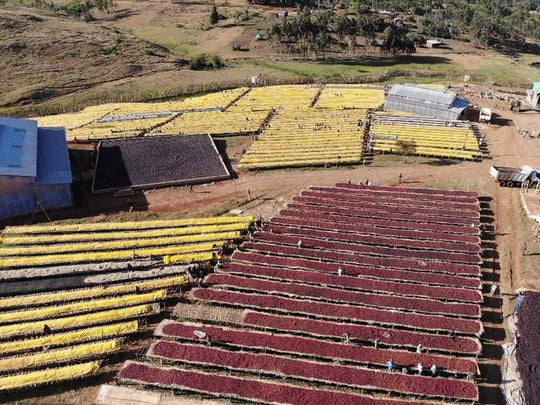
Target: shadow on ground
494, 335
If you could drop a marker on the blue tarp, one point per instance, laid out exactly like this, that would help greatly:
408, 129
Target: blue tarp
536, 87
26, 201
53, 165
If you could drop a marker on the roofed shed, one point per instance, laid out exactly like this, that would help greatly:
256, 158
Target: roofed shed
35, 172
428, 102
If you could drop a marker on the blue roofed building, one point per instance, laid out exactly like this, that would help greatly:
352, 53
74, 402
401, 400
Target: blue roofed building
35, 172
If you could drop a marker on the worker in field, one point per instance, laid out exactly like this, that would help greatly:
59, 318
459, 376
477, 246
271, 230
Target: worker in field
300, 244
493, 289
419, 349
340, 271
191, 271
346, 338
433, 370
390, 366
218, 266
400, 177
483, 229
222, 251
376, 343
519, 302
420, 368
200, 275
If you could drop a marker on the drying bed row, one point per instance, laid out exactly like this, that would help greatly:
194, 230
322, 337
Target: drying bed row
49, 375
366, 212
379, 205
58, 356
420, 192
379, 222
70, 337
241, 387
99, 291
341, 311
185, 254
374, 240
454, 225
128, 225
332, 224
352, 246
36, 327
137, 243
344, 257
51, 279
449, 280
311, 347
336, 330
46, 239
52, 311
314, 371
450, 151
388, 200
355, 298
528, 355
354, 283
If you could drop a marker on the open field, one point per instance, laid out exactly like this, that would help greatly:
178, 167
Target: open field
140, 52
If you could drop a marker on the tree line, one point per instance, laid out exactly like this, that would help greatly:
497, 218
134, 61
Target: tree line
485, 22
312, 33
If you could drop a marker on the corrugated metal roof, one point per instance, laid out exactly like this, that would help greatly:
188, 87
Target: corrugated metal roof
53, 165
423, 94
18, 147
425, 102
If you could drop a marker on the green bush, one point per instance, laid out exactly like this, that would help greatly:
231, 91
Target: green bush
78, 9
206, 61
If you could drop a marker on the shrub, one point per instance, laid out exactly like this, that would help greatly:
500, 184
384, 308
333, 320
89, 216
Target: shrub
206, 61
214, 15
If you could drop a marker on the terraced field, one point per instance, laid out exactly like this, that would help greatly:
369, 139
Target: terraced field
336, 302
308, 137
215, 123
294, 125
277, 97
424, 136
124, 120
350, 96
71, 294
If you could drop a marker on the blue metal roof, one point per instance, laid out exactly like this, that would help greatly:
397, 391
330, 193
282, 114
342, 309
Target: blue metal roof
18, 147
53, 165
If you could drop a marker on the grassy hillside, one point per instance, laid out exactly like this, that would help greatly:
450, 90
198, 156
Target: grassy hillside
139, 51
